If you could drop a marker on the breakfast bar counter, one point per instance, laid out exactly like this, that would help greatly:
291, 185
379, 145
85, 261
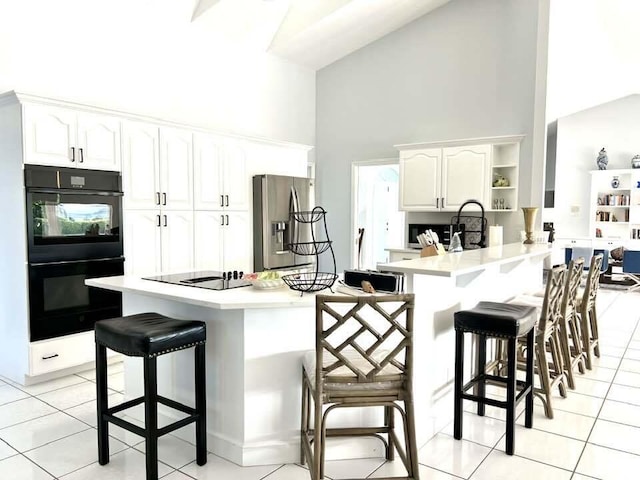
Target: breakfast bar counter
256, 340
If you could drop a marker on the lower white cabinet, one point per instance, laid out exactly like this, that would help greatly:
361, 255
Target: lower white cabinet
222, 241
158, 241
59, 353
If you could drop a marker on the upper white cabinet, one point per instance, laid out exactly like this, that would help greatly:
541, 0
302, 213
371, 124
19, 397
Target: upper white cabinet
221, 179
68, 138
420, 172
465, 175
441, 176
158, 167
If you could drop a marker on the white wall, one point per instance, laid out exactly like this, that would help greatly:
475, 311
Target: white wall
593, 53
468, 69
615, 126
145, 56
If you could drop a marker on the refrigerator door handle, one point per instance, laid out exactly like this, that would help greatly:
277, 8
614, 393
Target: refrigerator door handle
294, 208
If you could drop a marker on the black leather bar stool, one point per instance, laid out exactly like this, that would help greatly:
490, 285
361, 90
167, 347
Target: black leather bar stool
503, 321
149, 335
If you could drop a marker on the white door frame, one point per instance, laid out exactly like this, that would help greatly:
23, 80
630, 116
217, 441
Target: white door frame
354, 198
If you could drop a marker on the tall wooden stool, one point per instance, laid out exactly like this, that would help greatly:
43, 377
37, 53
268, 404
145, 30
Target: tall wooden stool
507, 322
149, 335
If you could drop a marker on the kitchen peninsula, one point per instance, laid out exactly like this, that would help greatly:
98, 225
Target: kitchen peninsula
256, 340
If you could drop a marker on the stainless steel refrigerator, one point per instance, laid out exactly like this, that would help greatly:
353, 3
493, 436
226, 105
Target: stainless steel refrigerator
275, 197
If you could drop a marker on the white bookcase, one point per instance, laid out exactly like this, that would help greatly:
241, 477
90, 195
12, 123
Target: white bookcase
615, 206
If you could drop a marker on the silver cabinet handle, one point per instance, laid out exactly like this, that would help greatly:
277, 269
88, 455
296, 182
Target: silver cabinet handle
165, 220
222, 220
48, 357
81, 155
227, 197
73, 154
157, 198
227, 219
437, 202
443, 202
158, 220
164, 198
222, 200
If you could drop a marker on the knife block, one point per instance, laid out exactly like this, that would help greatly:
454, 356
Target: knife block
432, 250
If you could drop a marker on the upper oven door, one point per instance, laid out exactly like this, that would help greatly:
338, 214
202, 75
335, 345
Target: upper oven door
73, 225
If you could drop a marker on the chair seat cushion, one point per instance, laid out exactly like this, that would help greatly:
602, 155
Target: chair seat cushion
497, 319
343, 378
147, 334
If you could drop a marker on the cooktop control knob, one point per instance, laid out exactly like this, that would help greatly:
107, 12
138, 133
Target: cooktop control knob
235, 274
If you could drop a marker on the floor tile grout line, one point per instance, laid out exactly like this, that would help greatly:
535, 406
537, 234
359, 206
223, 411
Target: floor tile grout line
605, 398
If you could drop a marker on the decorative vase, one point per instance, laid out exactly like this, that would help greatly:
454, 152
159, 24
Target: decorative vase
529, 219
635, 161
602, 159
615, 182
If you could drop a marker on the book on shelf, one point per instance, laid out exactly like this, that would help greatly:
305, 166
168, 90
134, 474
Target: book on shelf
611, 200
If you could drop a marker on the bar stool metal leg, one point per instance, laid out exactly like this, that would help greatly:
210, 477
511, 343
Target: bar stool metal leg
102, 404
528, 413
482, 361
457, 389
511, 394
201, 405
151, 416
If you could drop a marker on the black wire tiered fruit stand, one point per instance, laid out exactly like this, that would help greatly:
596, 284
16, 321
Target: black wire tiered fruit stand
311, 281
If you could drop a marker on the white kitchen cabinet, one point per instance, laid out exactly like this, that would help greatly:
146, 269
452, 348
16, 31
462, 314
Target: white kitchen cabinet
465, 175
158, 167
222, 241
441, 176
441, 179
221, 179
158, 242
420, 179
68, 138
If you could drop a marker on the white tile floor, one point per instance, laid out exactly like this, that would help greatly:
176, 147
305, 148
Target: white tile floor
48, 430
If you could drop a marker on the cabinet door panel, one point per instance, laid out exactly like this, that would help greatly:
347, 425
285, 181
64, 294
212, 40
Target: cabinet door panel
142, 242
420, 179
465, 175
99, 138
235, 178
208, 229
176, 169
141, 163
208, 153
177, 241
50, 134
238, 244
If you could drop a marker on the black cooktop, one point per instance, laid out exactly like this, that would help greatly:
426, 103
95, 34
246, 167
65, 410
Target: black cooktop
205, 279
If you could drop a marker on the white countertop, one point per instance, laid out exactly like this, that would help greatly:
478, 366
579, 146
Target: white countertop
453, 264
232, 299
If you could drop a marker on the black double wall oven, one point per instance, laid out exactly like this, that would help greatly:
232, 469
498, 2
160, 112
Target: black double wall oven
74, 232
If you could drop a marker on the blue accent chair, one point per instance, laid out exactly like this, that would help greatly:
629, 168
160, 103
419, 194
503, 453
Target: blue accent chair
631, 267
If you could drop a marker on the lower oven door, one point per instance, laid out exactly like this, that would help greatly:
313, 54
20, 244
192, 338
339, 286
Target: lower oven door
59, 301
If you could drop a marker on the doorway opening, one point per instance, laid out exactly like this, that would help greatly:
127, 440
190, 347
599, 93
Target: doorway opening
377, 222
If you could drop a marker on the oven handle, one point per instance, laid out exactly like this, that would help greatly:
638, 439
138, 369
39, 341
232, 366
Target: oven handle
75, 192
73, 262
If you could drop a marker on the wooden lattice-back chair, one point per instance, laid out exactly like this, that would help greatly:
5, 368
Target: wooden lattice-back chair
570, 337
587, 311
550, 370
363, 358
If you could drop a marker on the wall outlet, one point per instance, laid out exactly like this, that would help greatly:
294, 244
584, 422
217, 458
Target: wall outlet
575, 209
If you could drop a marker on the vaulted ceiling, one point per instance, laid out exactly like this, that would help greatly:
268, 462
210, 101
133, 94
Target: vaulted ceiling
313, 33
